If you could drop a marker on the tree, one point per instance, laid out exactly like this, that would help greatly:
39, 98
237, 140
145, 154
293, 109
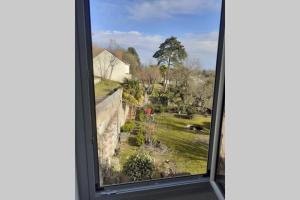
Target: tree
132, 58
132, 51
171, 53
133, 63
204, 93
149, 76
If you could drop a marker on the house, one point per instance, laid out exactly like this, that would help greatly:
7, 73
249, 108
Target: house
108, 66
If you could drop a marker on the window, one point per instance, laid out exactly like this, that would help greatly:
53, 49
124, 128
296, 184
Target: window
152, 117
154, 78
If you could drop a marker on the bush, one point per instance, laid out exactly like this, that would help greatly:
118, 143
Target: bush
140, 138
141, 116
139, 167
191, 110
149, 106
160, 108
128, 126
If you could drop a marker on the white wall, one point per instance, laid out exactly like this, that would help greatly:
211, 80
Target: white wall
108, 66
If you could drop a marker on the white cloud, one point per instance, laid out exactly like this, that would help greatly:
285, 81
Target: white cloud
141, 10
144, 44
202, 47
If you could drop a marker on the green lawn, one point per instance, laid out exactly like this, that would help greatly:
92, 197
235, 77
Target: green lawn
187, 148
105, 87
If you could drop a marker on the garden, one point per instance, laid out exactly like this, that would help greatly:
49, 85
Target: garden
167, 130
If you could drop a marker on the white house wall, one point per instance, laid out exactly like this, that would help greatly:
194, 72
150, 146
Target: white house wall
110, 67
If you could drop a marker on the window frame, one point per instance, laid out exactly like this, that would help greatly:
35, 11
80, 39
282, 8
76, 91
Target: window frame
87, 169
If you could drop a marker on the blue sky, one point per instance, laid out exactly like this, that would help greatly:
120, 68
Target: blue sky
144, 24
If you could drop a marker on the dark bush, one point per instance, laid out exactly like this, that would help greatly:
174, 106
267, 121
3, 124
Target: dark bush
139, 167
191, 110
160, 109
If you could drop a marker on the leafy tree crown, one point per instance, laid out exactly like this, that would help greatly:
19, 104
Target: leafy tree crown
171, 52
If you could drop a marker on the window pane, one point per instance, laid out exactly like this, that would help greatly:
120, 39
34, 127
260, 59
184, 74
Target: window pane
154, 72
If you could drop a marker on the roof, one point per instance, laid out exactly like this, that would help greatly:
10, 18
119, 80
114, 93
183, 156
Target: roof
96, 52
104, 51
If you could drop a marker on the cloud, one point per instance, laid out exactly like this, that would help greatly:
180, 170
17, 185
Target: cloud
145, 9
202, 47
144, 44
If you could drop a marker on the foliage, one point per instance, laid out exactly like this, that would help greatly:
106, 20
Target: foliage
191, 110
132, 94
132, 51
171, 53
149, 76
129, 99
128, 126
133, 63
154, 139
204, 91
149, 106
185, 147
139, 167
140, 138
132, 58
160, 108
133, 88
141, 116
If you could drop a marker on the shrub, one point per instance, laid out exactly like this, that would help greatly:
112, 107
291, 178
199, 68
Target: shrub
140, 139
139, 167
191, 110
160, 108
141, 116
149, 106
154, 139
128, 126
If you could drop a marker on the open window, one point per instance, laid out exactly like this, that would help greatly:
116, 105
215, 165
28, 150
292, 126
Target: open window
148, 103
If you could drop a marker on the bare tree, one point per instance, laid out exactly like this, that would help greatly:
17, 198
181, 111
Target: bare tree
149, 76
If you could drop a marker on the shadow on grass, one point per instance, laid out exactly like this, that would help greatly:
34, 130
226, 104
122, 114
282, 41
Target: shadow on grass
188, 149
181, 126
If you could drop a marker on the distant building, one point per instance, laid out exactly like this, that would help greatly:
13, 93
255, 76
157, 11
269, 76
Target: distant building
108, 66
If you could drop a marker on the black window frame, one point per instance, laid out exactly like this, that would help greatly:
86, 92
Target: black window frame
87, 170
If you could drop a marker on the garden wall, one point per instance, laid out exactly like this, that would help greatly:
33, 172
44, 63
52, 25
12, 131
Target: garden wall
111, 115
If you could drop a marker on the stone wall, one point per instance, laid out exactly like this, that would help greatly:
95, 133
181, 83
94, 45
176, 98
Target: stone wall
111, 115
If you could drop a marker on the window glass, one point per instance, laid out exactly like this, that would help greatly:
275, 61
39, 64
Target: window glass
154, 72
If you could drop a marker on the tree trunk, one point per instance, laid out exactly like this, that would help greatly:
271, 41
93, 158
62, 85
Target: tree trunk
167, 75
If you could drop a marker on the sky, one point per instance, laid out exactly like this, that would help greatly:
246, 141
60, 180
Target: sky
145, 24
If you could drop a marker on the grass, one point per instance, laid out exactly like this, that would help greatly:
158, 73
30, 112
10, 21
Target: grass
187, 148
105, 87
